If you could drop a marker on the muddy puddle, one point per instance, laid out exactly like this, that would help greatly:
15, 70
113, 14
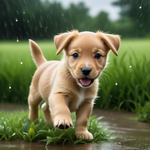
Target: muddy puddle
130, 134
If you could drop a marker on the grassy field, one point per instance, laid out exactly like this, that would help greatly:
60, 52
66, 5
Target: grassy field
124, 84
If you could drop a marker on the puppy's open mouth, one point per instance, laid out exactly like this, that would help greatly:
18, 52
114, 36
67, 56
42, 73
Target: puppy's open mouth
85, 82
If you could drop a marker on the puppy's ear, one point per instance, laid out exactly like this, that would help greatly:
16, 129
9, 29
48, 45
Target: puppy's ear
111, 41
62, 40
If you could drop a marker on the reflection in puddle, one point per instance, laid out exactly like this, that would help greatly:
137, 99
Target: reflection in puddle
5, 145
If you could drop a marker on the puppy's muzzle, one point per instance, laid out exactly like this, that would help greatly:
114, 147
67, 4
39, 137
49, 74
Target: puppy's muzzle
85, 82
86, 71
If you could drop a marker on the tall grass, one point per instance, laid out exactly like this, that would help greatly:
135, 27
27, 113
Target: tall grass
124, 84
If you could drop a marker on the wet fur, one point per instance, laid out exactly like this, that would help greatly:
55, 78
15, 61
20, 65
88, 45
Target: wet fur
57, 81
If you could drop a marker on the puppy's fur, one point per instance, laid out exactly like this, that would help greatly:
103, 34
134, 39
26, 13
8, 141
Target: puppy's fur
72, 83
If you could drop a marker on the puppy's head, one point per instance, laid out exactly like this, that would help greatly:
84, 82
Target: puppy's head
86, 53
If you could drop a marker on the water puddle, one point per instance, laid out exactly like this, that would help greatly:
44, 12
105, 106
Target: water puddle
130, 134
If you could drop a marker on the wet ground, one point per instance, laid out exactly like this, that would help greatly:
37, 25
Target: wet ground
130, 134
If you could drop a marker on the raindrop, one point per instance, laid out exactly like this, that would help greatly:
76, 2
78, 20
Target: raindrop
27, 21
17, 39
21, 62
16, 20
130, 66
24, 12
119, 143
116, 83
10, 87
110, 95
13, 134
140, 7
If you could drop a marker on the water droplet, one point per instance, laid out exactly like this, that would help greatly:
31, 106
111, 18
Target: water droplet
24, 12
119, 143
27, 21
140, 7
17, 39
21, 62
13, 134
110, 95
16, 20
130, 66
116, 83
10, 87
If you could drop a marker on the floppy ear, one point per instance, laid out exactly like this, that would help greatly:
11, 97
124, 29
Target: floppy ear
111, 41
62, 40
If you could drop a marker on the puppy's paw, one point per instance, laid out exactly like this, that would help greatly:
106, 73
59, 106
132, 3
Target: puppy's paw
63, 122
84, 135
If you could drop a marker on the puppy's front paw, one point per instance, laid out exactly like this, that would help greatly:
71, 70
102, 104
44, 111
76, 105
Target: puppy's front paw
84, 135
63, 122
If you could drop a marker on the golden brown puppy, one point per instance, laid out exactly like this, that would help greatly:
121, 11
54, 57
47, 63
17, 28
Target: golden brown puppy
72, 83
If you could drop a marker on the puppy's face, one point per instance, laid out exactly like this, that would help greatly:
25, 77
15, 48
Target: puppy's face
86, 55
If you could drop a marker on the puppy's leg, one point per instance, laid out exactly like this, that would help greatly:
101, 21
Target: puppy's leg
82, 117
34, 100
47, 113
60, 111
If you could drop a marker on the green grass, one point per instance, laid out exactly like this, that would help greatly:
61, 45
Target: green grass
123, 85
16, 126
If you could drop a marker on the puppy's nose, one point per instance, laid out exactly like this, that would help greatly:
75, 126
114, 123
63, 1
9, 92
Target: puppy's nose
86, 71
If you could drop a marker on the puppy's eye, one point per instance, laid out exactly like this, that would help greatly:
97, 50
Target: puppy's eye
75, 56
97, 56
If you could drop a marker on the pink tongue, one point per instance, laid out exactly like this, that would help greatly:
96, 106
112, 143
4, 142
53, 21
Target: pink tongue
85, 81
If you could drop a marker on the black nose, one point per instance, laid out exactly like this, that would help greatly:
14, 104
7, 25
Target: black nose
86, 71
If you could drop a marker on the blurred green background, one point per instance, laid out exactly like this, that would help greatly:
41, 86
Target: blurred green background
124, 85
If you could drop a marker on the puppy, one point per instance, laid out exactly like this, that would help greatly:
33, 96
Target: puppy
70, 84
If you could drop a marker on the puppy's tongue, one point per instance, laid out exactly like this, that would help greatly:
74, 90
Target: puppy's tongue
85, 81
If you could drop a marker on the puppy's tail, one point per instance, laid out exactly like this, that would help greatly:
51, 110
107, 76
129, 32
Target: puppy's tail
36, 53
